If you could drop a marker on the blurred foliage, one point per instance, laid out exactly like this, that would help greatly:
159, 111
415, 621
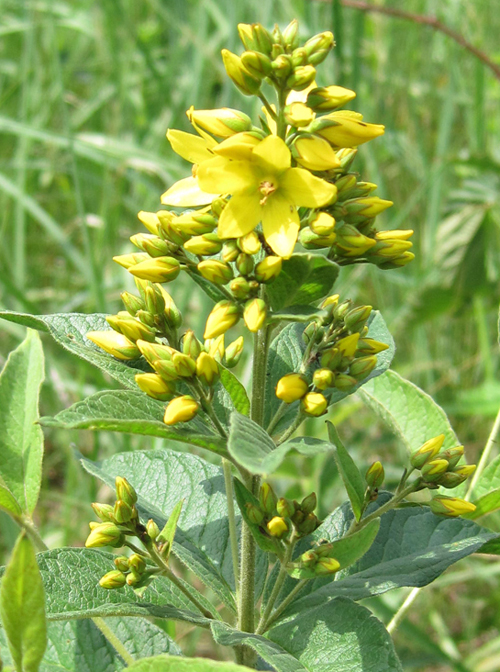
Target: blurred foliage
87, 91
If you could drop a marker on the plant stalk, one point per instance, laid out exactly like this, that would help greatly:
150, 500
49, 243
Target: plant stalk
233, 532
261, 628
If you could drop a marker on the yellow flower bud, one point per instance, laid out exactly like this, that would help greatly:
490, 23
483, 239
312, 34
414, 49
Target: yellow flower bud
347, 345
259, 65
184, 365
222, 123
207, 244
129, 260
453, 455
105, 534
398, 262
113, 579
150, 221
114, 344
312, 241
216, 271
369, 346
195, 223
314, 404
268, 269
351, 242
451, 507
370, 206
161, 269
152, 529
346, 129
301, 77
344, 383
427, 452
323, 378
318, 46
326, 566
330, 301
298, 114
207, 369
395, 234
362, 367
246, 82
466, 470
154, 386
291, 387
255, 314
154, 351
255, 36
180, 409
233, 352
314, 153
224, 315
250, 244
432, 470
277, 527
133, 329
125, 491
324, 99
268, 498
375, 475
323, 224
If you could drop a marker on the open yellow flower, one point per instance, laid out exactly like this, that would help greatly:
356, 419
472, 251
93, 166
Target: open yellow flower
264, 188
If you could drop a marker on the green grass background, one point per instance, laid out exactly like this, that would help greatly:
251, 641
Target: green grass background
87, 91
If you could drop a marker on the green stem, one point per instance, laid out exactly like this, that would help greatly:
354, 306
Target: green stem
261, 628
298, 421
268, 107
283, 605
357, 525
101, 624
281, 123
276, 417
485, 456
233, 533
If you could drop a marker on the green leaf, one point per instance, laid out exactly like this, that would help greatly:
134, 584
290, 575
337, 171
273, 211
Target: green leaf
161, 478
339, 636
485, 504
408, 411
213, 291
349, 472
80, 646
70, 329
248, 443
168, 533
168, 664
304, 279
489, 479
277, 657
297, 314
413, 547
71, 580
346, 551
21, 440
132, 412
265, 542
22, 607
236, 391
265, 463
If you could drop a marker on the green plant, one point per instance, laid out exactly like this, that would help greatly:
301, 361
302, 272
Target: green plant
281, 585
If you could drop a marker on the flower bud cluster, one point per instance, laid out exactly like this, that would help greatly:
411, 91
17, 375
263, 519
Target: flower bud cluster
341, 351
279, 517
441, 468
319, 559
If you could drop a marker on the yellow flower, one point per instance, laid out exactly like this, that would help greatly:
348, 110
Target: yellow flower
265, 189
223, 122
180, 409
291, 387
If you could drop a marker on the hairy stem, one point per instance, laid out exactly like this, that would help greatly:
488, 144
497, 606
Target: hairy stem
261, 628
233, 533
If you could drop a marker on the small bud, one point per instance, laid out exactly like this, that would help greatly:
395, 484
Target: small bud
132, 303
125, 491
131, 328
255, 515
345, 383
427, 452
299, 57
154, 386
369, 346
223, 122
113, 579
184, 365
150, 221
240, 288
346, 157
161, 269
326, 566
114, 344
356, 318
309, 503
224, 315
152, 529
453, 455
323, 224
318, 46
268, 269
311, 241
314, 404
133, 578
129, 260
207, 369
268, 498
230, 251
244, 263
341, 310
249, 244
297, 114
165, 369
432, 471
285, 507
308, 525
233, 352
324, 550
259, 65
291, 35
180, 409
277, 527
301, 77
105, 534
346, 129
282, 65
103, 511
325, 99
351, 243
216, 271
195, 223
323, 379
375, 475
254, 314
216, 348
123, 513
154, 351
362, 367
331, 358
451, 507
451, 480
121, 563
466, 470
308, 559
137, 563
291, 387
246, 82
255, 36
205, 245
190, 344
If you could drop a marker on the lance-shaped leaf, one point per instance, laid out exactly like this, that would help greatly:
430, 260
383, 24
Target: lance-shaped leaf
248, 443
80, 646
265, 541
236, 391
22, 607
349, 472
133, 412
168, 664
168, 533
21, 440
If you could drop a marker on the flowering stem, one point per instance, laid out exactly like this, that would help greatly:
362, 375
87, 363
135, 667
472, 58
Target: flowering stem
283, 605
261, 628
298, 420
233, 533
357, 525
268, 107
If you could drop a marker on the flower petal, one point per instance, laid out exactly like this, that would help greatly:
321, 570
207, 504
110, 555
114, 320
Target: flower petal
189, 146
240, 216
280, 222
226, 176
272, 155
238, 147
300, 96
304, 189
185, 193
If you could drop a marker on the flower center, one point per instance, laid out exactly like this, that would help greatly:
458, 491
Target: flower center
266, 188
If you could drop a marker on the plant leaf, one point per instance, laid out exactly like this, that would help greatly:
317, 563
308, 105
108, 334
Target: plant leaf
79, 645
168, 533
485, 504
168, 664
266, 463
304, 279
21, 440
70, 329
236, 391
489, 479
132, 412
349, 472
248, 442
22, 607
265, 542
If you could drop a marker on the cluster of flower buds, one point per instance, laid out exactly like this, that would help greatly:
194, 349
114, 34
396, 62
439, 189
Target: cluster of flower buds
441, 468
151, 319
319, 559
278, 517
341, 351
